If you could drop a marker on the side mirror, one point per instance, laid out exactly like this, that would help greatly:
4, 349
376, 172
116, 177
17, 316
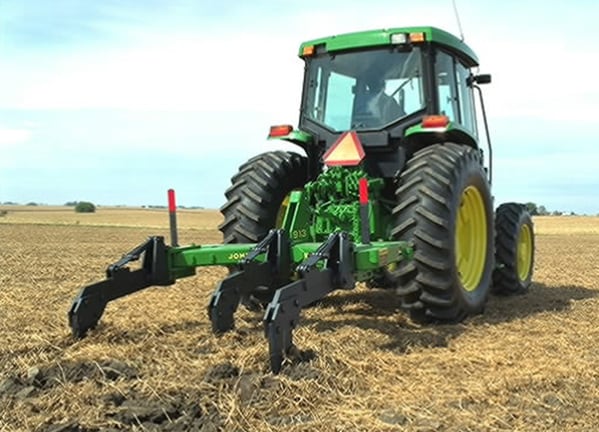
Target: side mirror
482, 79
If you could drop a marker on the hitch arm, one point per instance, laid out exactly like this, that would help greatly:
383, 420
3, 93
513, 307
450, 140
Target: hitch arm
283, 313
89, 305
270, 274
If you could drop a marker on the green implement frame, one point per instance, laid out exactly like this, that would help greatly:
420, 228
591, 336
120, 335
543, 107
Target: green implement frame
290, 275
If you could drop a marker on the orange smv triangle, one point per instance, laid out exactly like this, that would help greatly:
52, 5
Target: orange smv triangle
346, 151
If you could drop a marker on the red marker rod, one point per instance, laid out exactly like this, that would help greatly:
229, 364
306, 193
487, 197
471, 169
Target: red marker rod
172, 213
364, 219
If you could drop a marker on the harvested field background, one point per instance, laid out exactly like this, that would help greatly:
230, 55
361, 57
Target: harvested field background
529, 363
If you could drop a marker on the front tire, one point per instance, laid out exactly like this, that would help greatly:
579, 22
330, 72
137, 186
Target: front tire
514, 251
445, 211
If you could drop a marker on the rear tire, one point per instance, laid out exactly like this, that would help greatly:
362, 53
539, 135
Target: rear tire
445, 211
255, 200
514, 250
257, 193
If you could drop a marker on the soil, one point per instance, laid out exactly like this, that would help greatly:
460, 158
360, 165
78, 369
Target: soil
530, 362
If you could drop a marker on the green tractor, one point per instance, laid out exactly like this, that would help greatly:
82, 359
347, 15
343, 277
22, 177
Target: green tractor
391, 189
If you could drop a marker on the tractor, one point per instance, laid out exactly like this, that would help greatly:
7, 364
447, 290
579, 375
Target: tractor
391, 188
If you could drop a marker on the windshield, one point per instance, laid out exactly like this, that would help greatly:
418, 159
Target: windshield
363, 90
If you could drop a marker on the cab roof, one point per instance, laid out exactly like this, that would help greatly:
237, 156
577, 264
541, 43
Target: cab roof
382, 37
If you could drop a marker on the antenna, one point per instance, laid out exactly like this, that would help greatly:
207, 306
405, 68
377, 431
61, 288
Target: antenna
457, 16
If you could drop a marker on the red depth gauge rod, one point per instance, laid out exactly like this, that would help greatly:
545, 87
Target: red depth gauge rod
364, 220
172, 213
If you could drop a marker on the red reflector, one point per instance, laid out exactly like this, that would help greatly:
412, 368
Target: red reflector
172, 206
435, 121
363, 191
346, 151
280, 130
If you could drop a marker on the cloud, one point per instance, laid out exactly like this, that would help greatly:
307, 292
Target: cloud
12, 137
246, 57
540, 87
11, 141
182, 73
147, 88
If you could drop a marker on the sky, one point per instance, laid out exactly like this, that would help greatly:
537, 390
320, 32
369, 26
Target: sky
115, 102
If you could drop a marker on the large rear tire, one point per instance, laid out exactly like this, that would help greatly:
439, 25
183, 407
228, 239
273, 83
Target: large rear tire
445, 211
256, 199
514, 249
257, 193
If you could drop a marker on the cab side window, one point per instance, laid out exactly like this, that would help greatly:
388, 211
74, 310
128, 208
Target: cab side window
446, 86
467, 116
456, 99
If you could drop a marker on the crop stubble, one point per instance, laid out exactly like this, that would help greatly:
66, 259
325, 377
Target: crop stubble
529, 363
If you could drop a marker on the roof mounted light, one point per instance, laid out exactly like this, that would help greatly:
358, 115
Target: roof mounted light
417, 37
308, 50
399, 38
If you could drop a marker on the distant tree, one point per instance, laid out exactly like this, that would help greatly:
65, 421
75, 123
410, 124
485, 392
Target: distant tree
31, 203
573, 213
556, 213
542, 211
85, 207
532, 208
71, 203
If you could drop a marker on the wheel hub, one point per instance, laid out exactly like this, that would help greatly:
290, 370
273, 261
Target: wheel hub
524, 253
471, 238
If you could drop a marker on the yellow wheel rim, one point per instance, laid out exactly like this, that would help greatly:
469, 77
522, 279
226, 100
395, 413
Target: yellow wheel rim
471, 238
282, 211
524, 252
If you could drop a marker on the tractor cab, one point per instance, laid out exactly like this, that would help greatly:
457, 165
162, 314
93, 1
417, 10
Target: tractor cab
382, 83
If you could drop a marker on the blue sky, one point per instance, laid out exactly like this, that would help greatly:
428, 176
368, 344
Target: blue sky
114, 102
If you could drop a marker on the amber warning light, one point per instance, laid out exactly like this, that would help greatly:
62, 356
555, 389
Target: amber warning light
280, 131
417, 37
346, 151
308, 50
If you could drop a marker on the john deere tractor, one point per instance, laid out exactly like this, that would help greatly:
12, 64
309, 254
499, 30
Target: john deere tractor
391, 189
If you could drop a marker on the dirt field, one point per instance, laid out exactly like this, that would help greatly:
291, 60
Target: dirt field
530, 363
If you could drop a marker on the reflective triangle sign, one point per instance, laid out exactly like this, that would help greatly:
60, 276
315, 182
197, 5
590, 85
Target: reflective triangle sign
346, 151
